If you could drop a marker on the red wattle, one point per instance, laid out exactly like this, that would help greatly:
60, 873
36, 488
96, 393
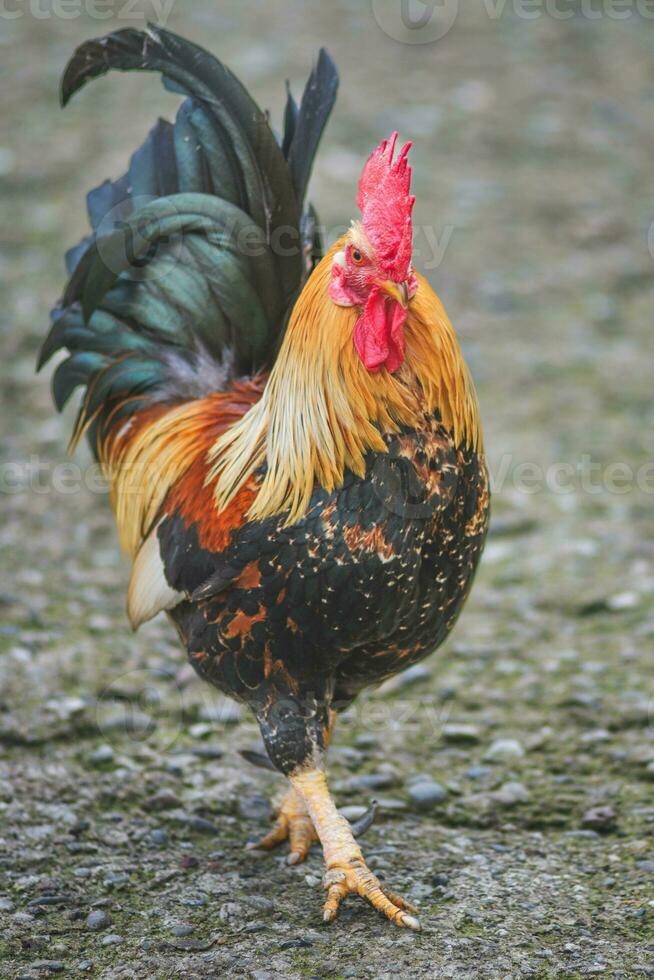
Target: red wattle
379, 332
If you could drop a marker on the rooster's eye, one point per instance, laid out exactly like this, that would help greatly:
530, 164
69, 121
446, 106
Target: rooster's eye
357, 257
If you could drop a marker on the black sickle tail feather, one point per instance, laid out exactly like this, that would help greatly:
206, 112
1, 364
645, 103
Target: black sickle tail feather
181, 277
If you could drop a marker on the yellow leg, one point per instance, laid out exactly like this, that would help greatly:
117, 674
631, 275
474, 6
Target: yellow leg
293, 822
347, 872
294, 825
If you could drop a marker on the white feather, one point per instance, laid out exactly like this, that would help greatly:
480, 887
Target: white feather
148, 591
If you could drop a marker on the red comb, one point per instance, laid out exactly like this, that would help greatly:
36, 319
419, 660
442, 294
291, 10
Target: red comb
386, 206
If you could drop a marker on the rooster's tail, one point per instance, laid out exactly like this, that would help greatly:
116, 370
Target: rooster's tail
199, 250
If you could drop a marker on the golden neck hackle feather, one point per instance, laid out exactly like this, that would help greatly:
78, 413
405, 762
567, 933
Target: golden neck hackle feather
322, 410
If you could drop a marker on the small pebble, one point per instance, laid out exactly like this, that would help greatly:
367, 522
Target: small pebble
371, 781
182, 930
510, 793
595, 736
460, 734
164, 800
99, 623
200, 730
366, 741
259, 902
101, 755
254, 807
180, 763
600, 818
158, 838
387, 804
504, 750
440, 880
46, 900
202, 826
299, 943
196, 901
98, 920
229, 912
478, 772
6, 905
23, 918
349, 756
112, 939
427, 794
116, 880
623, 600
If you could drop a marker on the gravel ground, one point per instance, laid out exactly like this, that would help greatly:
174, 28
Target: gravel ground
515, 769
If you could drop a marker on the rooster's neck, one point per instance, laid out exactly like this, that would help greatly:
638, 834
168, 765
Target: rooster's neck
322, 411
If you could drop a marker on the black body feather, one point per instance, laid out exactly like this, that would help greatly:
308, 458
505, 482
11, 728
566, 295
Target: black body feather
295, 620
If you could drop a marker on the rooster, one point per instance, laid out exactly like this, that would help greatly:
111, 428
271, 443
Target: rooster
292, 439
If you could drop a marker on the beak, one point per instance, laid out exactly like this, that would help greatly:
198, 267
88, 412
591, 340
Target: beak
398, 290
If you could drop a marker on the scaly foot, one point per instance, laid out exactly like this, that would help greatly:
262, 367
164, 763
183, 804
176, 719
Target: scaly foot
293, 824
347, 872
356, 878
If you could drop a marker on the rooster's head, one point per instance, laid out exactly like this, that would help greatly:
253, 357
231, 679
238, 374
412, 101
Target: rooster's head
372, 270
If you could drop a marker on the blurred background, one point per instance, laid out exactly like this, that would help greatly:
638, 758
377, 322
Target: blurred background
515, 767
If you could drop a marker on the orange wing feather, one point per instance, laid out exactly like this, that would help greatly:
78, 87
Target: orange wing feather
157, 463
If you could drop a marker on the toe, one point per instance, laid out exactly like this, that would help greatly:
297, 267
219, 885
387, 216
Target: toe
301, 837
276, 836
335, 881
391, 905
359, 880
398, 900
296, 828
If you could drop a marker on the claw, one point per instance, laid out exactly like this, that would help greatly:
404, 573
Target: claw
366, 820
